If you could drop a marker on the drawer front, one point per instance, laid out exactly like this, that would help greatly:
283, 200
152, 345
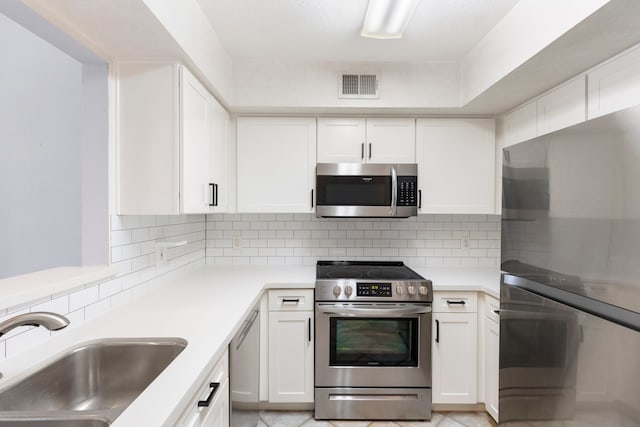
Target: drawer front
194, 414
290, 299
455, 302
491, 306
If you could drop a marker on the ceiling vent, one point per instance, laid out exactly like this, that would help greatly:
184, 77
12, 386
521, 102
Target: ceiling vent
358, 86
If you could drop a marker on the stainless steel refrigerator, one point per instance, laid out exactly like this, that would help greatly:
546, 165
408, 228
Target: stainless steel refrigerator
570, 288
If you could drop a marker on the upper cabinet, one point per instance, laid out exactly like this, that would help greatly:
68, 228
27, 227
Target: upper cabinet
456, 165
276, 164
615, 85
562, 107
359, 140
171, 142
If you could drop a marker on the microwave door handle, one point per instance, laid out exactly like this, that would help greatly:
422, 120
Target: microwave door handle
394, 191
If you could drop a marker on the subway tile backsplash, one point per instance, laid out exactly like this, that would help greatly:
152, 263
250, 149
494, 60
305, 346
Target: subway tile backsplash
133, 246
426, 240
277, 239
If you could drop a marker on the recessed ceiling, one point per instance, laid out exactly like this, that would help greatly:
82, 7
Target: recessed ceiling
329, 30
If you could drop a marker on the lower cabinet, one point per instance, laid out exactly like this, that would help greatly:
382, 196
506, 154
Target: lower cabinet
291, 346
492, 355
454, 348
210, 405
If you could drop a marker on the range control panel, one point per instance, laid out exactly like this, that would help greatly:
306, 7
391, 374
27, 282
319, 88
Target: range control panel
373, 289
407, 190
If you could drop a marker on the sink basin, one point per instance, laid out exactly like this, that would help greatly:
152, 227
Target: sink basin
106, 375
53, 422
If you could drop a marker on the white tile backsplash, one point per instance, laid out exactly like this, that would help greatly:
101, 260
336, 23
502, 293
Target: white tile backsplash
426, 240
133, 244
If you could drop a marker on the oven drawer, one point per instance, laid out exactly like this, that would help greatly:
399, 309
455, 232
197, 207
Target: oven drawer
455, 302
290, 299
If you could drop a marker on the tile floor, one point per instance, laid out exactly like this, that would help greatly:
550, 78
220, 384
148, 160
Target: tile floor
439, 419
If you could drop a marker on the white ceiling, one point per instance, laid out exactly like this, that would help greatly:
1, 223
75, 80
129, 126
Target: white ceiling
329, 30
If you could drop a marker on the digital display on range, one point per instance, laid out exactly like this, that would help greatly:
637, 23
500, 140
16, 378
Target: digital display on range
373, 289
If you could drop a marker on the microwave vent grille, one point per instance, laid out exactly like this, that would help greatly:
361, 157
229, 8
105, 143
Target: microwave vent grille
358, 86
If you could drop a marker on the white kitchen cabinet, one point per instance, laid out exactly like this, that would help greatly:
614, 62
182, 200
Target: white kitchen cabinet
359, 140
456, 166
276, 164
520, 124
614, 85
492, 355
214, 392
562, 107
454, 349
291, 346
171, 141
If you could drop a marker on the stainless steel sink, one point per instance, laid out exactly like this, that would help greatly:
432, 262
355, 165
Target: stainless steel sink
100, 378
54, 422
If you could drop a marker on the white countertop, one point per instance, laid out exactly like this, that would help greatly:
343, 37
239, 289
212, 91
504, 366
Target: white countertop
205, 308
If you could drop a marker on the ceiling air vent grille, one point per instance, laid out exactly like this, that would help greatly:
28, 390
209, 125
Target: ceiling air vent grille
358, 86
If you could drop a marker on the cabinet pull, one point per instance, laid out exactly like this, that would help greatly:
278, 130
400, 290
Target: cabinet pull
291, 300
459, 302
362, 151
369, 151
437, 330
419, 199
312, 197
213, 194
497, 312
309, 329
216, 193
207, 401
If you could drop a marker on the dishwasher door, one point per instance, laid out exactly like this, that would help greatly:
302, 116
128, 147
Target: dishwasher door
245, 372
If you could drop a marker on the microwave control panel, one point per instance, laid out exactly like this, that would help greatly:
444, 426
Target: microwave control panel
407, 191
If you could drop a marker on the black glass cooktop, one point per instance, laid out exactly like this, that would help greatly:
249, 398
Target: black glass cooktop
375, 270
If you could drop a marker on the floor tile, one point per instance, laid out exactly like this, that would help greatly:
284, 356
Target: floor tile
317, 423
285, 418
472, 419
435, 420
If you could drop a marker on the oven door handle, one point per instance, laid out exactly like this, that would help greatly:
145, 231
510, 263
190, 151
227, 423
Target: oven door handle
345, 310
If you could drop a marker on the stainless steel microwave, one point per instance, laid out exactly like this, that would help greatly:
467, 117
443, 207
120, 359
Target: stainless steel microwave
378, 190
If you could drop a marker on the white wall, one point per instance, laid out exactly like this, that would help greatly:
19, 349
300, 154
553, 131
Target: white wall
524, 32
267, 84
40, 153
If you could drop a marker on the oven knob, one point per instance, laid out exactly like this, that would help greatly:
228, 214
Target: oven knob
348, 290
423, 290
336, 291
411, 290
400, 290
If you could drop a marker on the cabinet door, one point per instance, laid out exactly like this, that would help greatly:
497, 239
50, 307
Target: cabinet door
454, 354
219, 131
563, 107
391, 141
341, 140
456, 165
218, 414
492, 355
615, 85
520, 124
195, 147
276, 164
291, 356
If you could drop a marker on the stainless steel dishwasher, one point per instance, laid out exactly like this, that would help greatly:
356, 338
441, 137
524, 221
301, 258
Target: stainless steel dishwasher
245, 372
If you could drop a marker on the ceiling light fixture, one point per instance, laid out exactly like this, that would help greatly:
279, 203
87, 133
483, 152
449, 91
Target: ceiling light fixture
387, 19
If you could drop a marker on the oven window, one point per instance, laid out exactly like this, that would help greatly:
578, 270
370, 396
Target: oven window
353, 190
373, 342
533, 343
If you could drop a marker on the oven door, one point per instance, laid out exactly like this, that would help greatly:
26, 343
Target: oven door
373, 345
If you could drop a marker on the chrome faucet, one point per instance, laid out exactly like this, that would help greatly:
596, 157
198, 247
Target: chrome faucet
51, 321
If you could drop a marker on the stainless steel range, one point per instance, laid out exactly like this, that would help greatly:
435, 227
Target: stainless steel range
373, 341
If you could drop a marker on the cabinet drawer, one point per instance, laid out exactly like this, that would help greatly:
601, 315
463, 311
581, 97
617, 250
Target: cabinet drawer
195, 414
455, 302
290, 299
491, 305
